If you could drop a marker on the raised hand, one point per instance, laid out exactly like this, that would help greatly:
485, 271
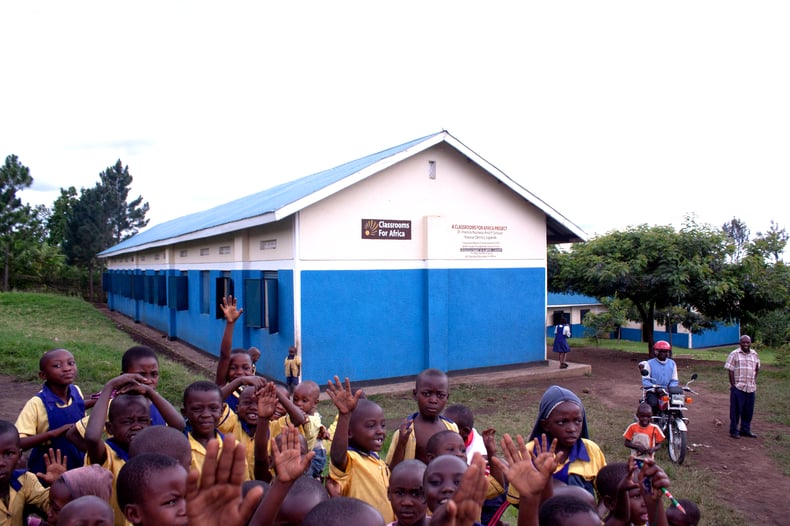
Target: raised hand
216, 499
341, 395
528, 471
288, 459
267, 400
56, 464
228, 306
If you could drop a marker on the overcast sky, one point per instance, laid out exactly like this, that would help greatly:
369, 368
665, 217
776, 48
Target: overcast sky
614, 113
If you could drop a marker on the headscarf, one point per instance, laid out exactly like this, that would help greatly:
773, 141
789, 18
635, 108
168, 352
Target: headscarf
88, 480
554, 396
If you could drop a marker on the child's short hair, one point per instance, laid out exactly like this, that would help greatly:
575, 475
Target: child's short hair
134, 477
46, 356
430, 373
305, 492
556, 508
644, 407
340, 511
692, 515
84, 508
313, 386
432, 446
608, 478
409, 463
201, 386
134, 354
7, 427
248, 485
162, 439
122, 401
461, 415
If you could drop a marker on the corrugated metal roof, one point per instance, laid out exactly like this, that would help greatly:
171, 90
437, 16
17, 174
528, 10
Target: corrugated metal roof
282, 200
558, 299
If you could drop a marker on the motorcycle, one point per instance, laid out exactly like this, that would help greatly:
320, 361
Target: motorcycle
672, 402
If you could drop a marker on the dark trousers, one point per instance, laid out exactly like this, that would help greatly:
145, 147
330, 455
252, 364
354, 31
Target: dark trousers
741, 409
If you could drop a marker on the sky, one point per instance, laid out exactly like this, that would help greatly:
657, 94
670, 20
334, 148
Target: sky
614, 113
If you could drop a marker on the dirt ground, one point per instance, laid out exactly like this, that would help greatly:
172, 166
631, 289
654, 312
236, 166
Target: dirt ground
746, 473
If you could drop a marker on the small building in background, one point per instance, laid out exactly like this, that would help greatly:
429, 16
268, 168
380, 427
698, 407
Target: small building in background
421, 255
574, 307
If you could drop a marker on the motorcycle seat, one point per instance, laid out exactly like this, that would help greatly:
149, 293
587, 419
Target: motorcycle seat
675, 389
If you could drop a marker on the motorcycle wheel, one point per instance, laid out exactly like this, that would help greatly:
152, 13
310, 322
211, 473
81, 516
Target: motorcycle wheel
676, 443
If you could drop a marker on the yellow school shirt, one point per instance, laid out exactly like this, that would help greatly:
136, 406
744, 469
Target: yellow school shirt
24, 488
199, 453
231, 423
33, 419
411, 441
366, 478
293, 366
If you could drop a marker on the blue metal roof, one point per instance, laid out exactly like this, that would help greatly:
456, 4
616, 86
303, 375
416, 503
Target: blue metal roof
260, 203
557, 299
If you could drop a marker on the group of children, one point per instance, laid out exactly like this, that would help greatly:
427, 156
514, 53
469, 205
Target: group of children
243, 450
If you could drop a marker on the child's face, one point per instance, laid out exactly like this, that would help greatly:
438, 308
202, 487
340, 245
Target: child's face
9, 457
279, 410
407, 497
148, 368
59, 496
240, 365
164, 500
638, 508
305, 398
203, 410
60, 368
451, 444
431, 394
248, 406
644, 416
367, 429
564, 424
128, 420
441, 480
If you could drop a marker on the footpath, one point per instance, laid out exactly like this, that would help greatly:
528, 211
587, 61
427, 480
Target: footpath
205, 363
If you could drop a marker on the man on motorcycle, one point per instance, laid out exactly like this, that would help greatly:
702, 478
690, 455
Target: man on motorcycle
661, 370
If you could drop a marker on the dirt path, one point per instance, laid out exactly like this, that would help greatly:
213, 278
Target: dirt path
743, 468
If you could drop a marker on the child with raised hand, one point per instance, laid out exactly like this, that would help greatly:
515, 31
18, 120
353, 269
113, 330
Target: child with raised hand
407, 495
643, 437
561, 415
20, 488
454, 491
529, 471
235, 366
202, 410
431, 391
354, 461
621, 488
243, 423
49, 415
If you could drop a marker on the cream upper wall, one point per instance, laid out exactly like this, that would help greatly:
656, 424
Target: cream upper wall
461, 194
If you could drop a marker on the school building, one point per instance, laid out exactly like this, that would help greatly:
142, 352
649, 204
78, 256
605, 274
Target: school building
421, 255
574, 307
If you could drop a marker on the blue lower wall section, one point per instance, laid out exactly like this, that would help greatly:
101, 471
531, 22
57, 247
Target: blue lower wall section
381, 324
722, 334
371, 325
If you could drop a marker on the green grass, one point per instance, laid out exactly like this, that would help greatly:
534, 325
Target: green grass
35, 323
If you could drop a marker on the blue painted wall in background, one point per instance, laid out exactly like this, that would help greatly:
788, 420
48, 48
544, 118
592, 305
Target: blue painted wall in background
379, 324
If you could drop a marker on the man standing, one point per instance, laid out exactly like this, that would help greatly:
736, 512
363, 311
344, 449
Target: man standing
661, 370
743, 364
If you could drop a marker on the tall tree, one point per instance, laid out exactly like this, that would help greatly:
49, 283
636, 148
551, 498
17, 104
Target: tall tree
771, 244
57, 224
125, 219
738, 232
13, 177
87, 232
655, 268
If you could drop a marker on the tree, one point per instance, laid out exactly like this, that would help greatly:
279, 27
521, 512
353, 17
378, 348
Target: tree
59, 216
13, 178
87, 232
738, 232
771, 244
124, 219
655, 268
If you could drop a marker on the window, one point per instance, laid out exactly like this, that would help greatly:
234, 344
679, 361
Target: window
224, 249
559, 315
224, 286
183, 253
260, 302
178, 292
583, 313
160, 289
204, 251
268, 244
